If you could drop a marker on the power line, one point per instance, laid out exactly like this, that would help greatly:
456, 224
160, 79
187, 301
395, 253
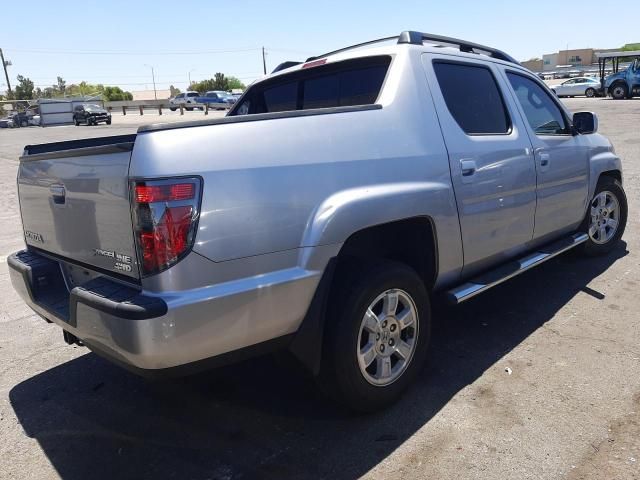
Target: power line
122, 52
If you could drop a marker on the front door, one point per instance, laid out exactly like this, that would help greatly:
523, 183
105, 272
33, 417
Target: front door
562, 161
490, 157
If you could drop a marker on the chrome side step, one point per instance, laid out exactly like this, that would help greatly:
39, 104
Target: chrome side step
495, 277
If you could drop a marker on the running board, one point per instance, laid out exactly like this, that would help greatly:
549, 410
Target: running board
495, 277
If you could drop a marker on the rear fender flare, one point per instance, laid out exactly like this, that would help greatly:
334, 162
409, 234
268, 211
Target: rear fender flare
352, 210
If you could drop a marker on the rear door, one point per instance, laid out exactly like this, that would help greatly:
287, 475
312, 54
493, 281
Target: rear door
490, 158
562, 161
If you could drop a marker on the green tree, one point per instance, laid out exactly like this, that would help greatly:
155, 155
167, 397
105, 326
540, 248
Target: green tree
202, 86
111, 94
174, 91
60, 86
630, 46
221, 82
235, 83
24, 88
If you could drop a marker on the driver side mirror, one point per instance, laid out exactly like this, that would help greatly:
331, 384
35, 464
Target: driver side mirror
585, 122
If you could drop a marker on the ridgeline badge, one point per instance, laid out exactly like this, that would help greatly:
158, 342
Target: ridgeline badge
123, 262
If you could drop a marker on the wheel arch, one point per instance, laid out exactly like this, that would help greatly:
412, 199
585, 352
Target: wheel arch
417, 247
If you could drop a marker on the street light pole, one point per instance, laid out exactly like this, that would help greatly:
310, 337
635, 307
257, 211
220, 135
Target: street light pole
192, 70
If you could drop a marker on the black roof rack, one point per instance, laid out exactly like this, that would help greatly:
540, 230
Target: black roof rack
418, 38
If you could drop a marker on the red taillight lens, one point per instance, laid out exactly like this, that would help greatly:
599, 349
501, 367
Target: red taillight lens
166, 214
165, 193
169, 239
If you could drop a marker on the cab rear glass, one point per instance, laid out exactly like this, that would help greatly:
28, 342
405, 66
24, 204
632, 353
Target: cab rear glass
340, 84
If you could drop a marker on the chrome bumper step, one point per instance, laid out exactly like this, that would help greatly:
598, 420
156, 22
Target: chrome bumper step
495, 277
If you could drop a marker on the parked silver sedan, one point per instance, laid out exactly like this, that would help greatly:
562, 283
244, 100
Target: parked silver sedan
589, 87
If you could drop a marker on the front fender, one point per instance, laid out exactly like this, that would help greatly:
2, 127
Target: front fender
349, 211
603, 160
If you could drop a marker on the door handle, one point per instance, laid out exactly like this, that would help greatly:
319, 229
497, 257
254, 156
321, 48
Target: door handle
544, 159
467, 169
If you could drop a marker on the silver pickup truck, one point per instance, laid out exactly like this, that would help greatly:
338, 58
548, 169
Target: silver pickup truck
321, 215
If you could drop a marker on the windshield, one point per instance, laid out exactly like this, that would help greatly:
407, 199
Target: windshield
92, 107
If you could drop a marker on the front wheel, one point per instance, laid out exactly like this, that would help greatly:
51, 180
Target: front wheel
619, 91
109, 122
378, 330
606, 217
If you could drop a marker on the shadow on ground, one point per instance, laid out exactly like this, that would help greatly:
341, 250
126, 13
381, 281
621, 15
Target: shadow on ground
262, 419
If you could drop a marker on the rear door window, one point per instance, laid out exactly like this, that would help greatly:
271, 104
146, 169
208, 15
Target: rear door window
473, 98
347, 83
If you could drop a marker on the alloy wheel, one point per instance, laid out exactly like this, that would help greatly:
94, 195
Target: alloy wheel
388, 337
605, 217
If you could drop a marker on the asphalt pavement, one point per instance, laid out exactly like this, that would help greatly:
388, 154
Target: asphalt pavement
538, 378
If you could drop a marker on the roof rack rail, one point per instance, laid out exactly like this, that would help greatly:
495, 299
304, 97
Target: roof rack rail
418, 38
357, 45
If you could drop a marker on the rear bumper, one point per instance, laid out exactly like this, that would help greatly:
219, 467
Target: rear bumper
176, 332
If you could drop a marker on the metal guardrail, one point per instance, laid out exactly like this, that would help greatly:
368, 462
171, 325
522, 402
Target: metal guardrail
182, 107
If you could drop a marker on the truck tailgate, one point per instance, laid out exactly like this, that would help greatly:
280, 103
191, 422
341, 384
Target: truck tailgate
74, 200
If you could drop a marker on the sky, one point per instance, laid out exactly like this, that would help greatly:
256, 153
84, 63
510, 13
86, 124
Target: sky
118, 42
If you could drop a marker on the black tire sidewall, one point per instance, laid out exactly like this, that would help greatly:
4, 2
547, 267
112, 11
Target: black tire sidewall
590, 90
611, 185
340, 363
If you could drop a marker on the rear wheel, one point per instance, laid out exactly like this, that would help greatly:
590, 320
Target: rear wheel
590, 92
76, 121
619, 91
173, 109
377, 335
606, 217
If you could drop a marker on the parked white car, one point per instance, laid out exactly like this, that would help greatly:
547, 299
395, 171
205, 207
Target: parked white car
589, 87
186, 98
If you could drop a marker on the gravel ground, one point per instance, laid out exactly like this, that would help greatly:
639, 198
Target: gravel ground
570, 408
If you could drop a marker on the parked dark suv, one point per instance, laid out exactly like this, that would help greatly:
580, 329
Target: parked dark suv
90, 114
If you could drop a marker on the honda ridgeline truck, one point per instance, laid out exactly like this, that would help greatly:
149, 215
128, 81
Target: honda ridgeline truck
321, 215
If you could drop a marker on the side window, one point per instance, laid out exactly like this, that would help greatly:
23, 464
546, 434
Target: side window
544, 116
473, 98
281, 98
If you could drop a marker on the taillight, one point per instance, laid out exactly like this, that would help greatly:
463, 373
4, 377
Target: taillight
166, 218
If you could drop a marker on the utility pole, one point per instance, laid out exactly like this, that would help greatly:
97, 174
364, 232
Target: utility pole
264, 62
5, 64
153, 77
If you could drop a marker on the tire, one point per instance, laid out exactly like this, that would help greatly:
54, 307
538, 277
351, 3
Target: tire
590, 92
108, 122
359, 289
24, 123
188, 109
609, 203
173, 109
89, 121
619, 91
76, 121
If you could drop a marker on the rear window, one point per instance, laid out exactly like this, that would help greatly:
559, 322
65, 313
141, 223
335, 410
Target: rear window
348, 83
473, 98
194, 94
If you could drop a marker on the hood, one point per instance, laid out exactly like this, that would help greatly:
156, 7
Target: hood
614, 76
